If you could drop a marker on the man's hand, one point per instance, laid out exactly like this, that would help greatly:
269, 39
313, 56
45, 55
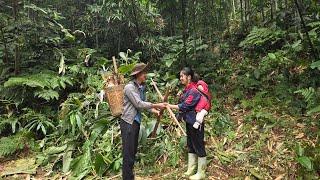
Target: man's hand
159, 106
156, 112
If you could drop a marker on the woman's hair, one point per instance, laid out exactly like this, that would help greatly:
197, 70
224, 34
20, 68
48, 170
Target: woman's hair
189, 72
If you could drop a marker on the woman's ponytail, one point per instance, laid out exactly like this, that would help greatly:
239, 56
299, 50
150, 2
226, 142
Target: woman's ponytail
189, 72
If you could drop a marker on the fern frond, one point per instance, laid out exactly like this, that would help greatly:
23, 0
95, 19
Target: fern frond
308, 95
24, 81
260, 36
46, 85
47, 94
11, 144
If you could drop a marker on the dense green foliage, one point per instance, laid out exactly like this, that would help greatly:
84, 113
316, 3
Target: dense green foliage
261, 59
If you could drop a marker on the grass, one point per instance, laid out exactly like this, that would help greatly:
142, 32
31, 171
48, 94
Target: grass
240, 143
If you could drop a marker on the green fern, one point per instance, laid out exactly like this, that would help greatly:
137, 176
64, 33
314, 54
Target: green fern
47, 94
45, 85
261, 36
10, 145
42, 80
3, 124
308, 95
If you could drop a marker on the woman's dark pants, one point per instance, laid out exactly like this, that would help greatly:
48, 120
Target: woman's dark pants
129, 135
195, 140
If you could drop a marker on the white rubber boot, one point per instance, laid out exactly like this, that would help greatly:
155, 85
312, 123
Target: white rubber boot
192, 164
202, 165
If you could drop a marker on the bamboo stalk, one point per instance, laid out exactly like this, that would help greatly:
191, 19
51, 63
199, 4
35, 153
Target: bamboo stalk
153, 134
115, 64
168, 108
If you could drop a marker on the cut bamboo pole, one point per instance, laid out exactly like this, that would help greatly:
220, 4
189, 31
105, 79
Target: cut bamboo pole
154, 132
168, 108
115, 64
116, 75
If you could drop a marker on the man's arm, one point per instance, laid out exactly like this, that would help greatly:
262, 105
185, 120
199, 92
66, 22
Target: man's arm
137, 102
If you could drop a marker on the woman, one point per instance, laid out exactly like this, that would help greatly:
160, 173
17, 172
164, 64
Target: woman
195, 137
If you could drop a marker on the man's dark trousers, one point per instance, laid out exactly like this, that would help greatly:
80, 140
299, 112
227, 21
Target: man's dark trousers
129, 135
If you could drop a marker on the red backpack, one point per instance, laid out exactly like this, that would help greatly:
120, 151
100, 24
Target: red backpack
205, 99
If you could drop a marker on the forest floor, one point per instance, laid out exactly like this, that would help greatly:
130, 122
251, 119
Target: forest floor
250, 150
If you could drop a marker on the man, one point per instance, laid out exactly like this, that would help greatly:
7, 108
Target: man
134, 103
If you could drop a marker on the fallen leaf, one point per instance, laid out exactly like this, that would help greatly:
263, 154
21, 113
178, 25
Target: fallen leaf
279, 145
28, 177
299, 136
21, 166
300, 125
280, 177
269, 145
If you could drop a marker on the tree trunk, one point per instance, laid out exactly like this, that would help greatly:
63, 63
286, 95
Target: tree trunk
262, 10
16, 48
241, 11
246, 11
135, 18
313, 51
5, 50
97, 31
271, 9
184, 29
212, 22
119, 41
233, 9
226, 16
195, 29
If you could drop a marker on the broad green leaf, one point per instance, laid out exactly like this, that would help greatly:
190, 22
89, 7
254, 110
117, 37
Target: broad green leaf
272, 56
62, 67
43, 129
66, 159
299, 150
150, 75
125, 69
305, 162
169, 62
55, 150
315, 64
123, 56
69, 37
78, 118
99, 164
142, 134
82, 164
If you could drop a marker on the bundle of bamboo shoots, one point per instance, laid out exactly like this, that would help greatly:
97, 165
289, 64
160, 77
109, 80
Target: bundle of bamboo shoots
113, 87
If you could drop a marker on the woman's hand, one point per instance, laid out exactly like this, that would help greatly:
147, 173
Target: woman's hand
171, 106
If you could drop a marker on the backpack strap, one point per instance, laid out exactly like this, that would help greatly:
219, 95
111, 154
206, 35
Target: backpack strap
206, 96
